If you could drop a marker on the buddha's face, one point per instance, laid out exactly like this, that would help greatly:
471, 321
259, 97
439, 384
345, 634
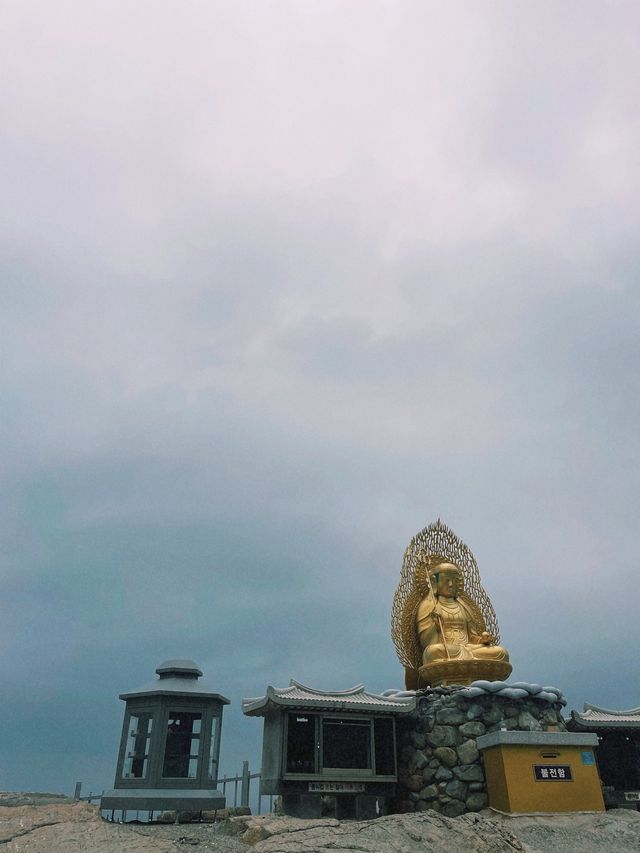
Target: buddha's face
448, 580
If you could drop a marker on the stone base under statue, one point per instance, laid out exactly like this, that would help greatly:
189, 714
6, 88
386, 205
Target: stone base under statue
447, 672
439, 762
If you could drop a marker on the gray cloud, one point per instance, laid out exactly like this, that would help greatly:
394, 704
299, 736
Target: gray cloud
280, 284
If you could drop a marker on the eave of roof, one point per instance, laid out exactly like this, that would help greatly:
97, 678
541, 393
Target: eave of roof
176, 687
300, 696
594, 717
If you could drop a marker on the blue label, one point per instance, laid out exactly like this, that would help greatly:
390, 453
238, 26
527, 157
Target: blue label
588, 757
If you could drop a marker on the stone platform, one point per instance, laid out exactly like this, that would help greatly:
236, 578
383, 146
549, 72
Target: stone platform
439, 765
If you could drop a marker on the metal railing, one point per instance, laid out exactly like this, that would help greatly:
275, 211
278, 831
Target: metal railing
92, 796
244, 780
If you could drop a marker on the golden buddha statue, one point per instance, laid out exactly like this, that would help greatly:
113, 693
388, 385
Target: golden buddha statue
440, 630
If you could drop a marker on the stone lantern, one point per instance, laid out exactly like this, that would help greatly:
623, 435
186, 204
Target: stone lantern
170, 744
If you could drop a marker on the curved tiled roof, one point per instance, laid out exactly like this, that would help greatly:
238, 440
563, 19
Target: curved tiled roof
595, 717
298, 695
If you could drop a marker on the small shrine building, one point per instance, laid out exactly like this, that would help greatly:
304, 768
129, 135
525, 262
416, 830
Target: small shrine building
329, 753
618, 753
170, 744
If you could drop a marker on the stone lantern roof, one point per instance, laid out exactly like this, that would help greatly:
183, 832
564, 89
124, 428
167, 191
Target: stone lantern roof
181, 667
177, 677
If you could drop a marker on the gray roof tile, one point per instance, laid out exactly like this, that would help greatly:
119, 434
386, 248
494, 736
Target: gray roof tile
356, 698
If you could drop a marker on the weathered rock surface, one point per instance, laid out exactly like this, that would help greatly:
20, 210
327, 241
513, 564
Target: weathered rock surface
33, 798
617, 831
423, 832
430, 832
78, 828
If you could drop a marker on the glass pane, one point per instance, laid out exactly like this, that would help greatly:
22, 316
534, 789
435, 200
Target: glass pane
301, 744
140, 723
385, 759
193, 768
213, 749
137, 746
346, 744
181, 744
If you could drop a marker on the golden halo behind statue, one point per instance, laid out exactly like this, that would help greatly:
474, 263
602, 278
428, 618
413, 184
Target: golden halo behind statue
428, 549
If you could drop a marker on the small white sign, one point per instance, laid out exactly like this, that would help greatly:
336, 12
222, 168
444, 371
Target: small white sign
632, 795
337, 787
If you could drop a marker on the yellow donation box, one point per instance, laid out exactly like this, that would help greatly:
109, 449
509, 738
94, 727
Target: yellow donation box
541, 771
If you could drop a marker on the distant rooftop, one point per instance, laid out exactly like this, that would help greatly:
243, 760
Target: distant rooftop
355, 699
594, 717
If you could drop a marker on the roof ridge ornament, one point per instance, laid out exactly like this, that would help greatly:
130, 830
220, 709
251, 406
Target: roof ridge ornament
629, 713
352, 691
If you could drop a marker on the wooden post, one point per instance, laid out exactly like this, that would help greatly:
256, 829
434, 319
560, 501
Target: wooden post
244, 790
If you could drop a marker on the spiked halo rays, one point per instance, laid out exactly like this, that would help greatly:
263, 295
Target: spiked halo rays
429, 547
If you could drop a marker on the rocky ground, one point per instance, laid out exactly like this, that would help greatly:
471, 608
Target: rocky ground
44, 823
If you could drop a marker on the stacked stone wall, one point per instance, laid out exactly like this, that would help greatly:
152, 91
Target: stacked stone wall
439, 765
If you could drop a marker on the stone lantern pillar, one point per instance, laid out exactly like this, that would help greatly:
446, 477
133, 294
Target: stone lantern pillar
170, 744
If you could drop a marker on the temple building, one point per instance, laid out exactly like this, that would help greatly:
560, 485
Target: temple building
329, 753
618, 753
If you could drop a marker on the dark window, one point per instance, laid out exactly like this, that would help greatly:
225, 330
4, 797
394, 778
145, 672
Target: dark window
346, 744
182, 745
383, 739
619, 761
301, 744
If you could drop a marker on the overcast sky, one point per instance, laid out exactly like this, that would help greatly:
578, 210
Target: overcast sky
280, 284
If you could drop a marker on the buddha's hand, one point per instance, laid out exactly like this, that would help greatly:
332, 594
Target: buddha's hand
486, 639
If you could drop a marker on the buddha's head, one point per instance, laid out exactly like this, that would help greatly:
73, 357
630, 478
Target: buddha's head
447, 579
